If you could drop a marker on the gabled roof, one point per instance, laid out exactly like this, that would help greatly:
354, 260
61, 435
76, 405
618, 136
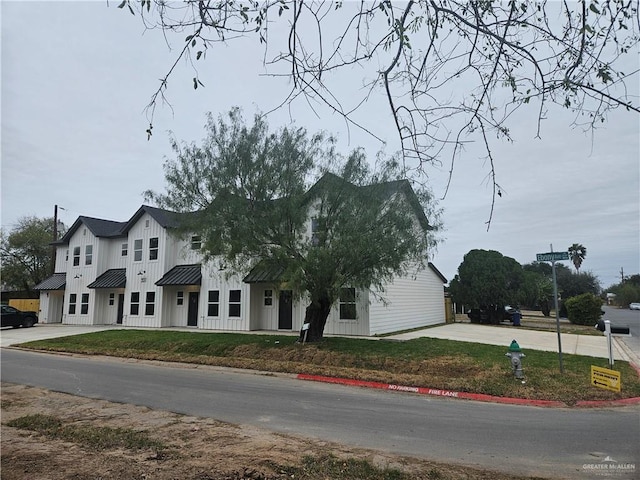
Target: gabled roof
97, 226
113, 278
181, 275
381, 191
166, 218
57, 281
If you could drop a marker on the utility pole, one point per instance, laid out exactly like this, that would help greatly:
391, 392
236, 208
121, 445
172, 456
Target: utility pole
55, 238
621, 275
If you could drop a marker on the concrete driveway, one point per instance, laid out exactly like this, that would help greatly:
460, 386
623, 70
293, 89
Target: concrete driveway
13, 336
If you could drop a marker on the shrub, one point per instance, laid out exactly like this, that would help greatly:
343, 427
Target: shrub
585, 309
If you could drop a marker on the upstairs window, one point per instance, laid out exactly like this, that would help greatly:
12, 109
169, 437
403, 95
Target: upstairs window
76, 256
125, 249
88, 254
347, 304
196, 242
137, 250
66, 257
153, 248
234, 303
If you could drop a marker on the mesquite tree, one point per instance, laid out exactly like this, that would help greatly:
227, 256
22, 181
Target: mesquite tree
286, 202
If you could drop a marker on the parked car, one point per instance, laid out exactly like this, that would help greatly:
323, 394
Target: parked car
634, 306
12, 317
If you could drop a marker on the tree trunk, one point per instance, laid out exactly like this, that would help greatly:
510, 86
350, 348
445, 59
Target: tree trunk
316, 316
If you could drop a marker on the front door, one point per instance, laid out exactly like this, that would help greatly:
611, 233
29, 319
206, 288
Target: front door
120, 308
192, 315
285, 310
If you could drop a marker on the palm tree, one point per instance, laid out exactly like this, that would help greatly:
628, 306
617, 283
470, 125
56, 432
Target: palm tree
577, 252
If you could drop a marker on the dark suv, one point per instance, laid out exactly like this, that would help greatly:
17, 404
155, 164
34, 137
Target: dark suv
12, 317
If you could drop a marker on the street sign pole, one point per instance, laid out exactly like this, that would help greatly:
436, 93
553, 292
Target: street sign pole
552, 257
555, 299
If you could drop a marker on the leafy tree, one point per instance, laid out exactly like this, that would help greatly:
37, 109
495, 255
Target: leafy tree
627, 291
584, 309
487, 278
571, 284
537, 290
250, 192
26, 252
577, 254
450, 71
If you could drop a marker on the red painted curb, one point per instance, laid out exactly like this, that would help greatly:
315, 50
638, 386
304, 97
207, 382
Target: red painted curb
480, 397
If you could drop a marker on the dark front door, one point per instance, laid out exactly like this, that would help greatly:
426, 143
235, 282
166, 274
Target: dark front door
285, 310
120, 308
192, 315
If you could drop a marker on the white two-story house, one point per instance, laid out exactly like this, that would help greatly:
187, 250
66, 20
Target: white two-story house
140, 273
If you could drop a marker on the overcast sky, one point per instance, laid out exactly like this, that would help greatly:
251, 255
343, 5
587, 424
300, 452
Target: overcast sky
76, 77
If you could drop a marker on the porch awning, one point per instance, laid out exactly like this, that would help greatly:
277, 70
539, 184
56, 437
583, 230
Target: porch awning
263, 273
181, 275
57, 281
114, 278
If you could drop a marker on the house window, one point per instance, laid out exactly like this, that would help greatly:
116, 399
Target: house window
347, 304
73, 298
76, 256
88, 254
112, 299
84, 304
66, 257
268, 298
213, 309
180, 298
149, 307
153, 248
234, 303
135, 303
146, 223
196, 242
125, 249
315, 226
137, 250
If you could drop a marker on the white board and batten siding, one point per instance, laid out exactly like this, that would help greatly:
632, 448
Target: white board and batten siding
143, 274
80, 276
358, 327
412, 301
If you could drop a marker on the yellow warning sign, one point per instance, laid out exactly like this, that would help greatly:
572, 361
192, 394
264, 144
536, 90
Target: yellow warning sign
605, 378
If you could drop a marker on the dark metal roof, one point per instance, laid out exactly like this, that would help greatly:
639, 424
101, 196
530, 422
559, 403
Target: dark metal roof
262, 273
97, 226
57, 281
181, 275
114, 278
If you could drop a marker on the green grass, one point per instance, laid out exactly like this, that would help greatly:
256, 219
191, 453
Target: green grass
95, 438
426, 362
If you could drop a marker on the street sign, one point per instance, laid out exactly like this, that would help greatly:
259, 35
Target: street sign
552, 256
605, 378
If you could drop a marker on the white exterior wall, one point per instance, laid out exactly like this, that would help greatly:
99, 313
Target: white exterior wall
142, 274
213, 279
359, 326
412, 301
61, 259
79, 276
51, 306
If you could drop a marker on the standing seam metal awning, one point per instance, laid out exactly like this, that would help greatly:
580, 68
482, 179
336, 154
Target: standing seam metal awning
113, 278
57, 281
264, 274
181, 275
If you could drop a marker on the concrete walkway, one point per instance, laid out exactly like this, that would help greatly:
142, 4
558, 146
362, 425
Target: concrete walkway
589, 345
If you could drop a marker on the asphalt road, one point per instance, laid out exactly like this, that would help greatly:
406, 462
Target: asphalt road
623, 317
520, 440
